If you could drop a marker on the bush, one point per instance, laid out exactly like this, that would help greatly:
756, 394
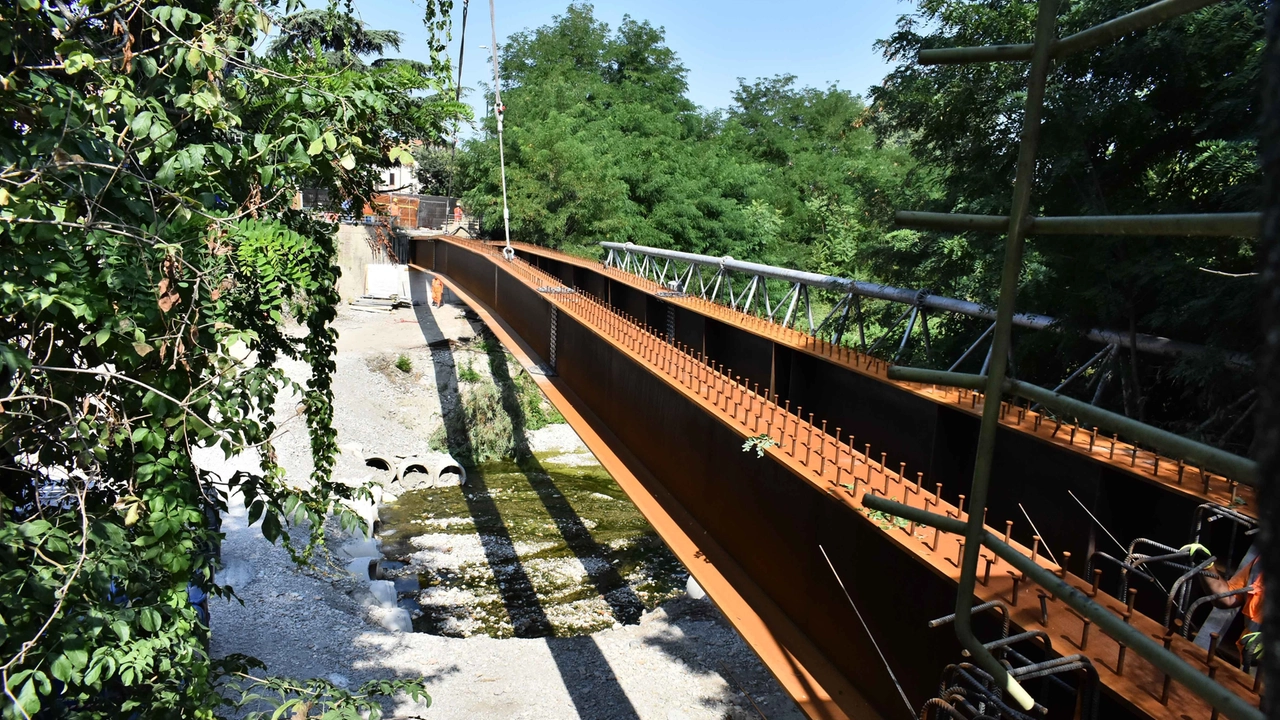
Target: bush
404, 364
538, 412
468, 373
480, 432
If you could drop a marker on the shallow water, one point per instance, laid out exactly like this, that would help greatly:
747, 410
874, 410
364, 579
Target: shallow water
529, 549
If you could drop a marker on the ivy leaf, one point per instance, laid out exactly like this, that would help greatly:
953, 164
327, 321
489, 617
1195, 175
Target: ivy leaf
271, 526
348, 162
316, 147
149, 619
61, 668
78, 61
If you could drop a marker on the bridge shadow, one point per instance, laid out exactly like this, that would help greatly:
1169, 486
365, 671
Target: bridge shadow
623, 601
604, 700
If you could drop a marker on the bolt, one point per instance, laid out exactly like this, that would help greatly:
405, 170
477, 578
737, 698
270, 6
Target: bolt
1213, 650
934, 546
1097, 578
1084, 634
1120, 659
1035, 547
1066, 559
1133, 595
1093, 436
1016, 580
1181, 468
960, 554
937, 493
1044, 607
919, 479
986, 574
1008, 530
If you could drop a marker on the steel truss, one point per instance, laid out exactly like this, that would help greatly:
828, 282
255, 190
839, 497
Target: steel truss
783, 296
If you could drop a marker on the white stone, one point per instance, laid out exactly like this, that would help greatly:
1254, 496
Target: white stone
236, 573
694, 589
384, 591
360, 548
396, 620
359, 567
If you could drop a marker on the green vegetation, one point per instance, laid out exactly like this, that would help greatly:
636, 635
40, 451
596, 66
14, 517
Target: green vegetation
150, 160
468, 373
603, 144
404, 364
482, 424
759, 443
483, 430
1162, 121
538, 412
626, 540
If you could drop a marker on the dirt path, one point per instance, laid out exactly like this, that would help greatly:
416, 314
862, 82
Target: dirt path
681, 660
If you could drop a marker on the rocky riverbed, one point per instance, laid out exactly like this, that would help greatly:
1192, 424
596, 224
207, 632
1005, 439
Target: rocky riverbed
534, 590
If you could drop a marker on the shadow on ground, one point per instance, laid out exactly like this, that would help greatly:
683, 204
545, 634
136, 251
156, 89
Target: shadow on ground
591, 699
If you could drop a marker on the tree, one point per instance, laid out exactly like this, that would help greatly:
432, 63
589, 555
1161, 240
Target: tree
832, 185
1161, 121
602, 144
150, 265
331, 30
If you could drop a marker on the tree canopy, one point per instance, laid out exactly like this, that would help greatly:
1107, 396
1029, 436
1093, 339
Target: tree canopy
1161, 121
603, 144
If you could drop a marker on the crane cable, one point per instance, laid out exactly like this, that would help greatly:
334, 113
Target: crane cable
508, 252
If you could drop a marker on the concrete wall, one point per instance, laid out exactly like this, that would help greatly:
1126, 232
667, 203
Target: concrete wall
360, 246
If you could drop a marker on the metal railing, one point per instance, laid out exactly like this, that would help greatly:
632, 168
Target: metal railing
744, 286
1017, 225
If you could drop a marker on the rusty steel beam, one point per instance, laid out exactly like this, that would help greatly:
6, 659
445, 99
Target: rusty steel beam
1112, 451
808, 452
820, 689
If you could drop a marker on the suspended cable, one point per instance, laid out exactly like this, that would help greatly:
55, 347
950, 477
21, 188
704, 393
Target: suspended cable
508, 252
457, 97
874, 644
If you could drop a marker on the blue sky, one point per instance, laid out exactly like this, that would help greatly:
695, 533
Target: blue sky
820, 42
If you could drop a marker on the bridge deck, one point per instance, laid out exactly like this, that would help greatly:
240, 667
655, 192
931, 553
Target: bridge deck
1166, 472
843, 472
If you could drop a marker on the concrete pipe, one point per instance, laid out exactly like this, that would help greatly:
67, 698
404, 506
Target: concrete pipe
441, 469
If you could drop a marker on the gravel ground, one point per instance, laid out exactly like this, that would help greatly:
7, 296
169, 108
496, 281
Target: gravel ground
680, 660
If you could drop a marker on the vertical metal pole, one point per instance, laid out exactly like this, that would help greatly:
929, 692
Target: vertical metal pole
457, 97
1046, 22
1268, 435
